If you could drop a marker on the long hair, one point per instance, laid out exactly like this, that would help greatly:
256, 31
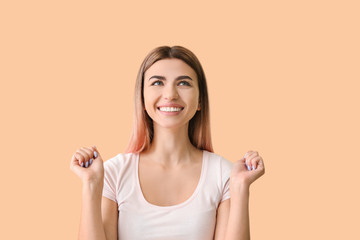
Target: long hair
199, 125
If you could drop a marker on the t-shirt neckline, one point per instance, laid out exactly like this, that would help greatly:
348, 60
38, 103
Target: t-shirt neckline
197, 189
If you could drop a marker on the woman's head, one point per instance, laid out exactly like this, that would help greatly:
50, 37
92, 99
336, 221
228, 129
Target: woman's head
171, 94
199, 125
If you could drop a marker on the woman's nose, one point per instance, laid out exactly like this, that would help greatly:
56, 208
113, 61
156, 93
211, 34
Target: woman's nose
170, 92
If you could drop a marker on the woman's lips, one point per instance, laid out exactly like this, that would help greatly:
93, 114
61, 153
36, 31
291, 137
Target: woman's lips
170, 110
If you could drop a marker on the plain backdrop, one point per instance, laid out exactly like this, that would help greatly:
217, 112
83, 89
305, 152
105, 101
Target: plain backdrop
283, 80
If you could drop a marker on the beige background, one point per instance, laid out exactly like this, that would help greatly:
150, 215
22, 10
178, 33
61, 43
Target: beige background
283, 79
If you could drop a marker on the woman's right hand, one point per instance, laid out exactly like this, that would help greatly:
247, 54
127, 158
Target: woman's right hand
87, 164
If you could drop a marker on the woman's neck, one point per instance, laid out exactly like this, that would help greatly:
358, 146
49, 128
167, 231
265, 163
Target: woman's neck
171, 147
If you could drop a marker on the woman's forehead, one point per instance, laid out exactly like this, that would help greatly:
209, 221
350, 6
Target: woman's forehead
170, 68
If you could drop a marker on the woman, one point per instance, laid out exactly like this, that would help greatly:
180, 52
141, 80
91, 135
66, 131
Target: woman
169, 184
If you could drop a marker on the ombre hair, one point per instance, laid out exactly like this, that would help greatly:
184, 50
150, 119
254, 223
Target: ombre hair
199, 125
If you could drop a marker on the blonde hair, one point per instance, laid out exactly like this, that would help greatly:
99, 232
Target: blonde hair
199, 125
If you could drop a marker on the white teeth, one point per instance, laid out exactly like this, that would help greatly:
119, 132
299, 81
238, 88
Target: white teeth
170, 109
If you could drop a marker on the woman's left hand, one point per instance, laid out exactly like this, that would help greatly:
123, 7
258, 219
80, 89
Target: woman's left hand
246, 170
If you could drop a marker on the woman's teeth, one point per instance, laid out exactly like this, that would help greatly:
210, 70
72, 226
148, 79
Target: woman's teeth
170, 109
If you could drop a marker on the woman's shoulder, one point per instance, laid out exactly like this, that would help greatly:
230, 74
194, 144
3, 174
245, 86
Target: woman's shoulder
218, 161
120, 160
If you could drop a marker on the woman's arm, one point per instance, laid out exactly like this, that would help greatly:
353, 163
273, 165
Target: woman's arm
110, 216
232, 221
91, 225
99, 215
244, 172
222, 217
238, 226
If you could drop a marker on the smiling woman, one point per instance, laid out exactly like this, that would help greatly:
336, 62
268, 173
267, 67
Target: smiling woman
169, 184
171, 97
199, 126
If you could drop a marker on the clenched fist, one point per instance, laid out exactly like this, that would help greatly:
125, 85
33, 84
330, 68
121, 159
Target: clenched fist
247, 170
87, 164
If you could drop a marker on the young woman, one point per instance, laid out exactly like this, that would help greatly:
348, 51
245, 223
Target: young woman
169, 184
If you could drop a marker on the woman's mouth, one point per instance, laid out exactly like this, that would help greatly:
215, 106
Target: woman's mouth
170, 109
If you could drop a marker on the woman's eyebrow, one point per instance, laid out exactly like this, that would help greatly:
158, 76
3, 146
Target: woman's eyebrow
178, 78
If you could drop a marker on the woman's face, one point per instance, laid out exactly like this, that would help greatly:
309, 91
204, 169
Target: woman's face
171, 92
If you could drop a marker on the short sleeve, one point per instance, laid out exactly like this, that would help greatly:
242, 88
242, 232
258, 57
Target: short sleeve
110, 176
226, 167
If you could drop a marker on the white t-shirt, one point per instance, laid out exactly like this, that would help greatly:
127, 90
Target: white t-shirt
193, 219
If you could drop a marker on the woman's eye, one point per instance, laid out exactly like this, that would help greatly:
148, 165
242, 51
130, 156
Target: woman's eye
156, 83
184, 83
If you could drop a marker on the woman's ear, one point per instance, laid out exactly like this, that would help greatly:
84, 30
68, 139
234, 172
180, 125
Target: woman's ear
198, 107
